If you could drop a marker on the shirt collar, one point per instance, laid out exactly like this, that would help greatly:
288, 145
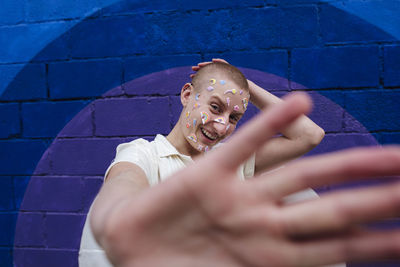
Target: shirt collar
166, 149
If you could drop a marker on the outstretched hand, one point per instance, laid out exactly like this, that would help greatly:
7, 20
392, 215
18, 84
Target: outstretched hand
205, 216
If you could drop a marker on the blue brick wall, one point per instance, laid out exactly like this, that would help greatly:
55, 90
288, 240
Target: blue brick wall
79, 77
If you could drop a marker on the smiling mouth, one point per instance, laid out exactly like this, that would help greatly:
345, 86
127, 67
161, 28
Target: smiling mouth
208, 135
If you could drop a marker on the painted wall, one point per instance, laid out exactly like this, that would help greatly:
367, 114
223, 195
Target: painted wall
79, 77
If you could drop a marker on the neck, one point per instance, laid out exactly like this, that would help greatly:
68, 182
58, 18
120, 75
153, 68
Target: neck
178, 140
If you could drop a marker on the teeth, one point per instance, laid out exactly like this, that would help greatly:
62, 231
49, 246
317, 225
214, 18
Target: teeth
208, 134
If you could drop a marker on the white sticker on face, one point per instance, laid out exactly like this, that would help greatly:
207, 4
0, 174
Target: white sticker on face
220, 120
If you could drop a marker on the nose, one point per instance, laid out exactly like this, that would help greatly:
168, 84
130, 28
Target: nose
220, 128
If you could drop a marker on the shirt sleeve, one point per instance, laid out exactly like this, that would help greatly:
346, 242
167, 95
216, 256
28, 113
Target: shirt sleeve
138, 152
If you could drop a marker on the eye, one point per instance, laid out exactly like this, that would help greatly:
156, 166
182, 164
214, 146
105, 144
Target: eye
215, 107
234, 118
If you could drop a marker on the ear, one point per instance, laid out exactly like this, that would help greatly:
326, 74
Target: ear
186, 92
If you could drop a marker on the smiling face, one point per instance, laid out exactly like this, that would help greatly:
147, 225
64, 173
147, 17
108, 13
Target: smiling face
211, 110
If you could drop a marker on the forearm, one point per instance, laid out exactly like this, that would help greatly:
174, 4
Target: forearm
115, 192
302, 128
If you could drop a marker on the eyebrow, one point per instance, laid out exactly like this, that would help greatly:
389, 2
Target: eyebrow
226, 105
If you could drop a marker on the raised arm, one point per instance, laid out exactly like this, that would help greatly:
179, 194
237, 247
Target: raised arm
296, 140
124, 181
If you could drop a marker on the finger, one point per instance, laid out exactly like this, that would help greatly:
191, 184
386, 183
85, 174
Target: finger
257, 131
219, 60
366, 246
195, 68
340, 211
202, 64
314, 172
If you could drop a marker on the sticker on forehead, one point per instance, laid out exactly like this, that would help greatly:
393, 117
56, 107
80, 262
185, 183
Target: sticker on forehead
200, 147
204, 117
222, 82
241, 92
213, 81
187, 113
192, 137
236, 108
187, 125
194, 122
210, 88
232, 91
196, 105
197, 97
245, 102
228, 101
220, 120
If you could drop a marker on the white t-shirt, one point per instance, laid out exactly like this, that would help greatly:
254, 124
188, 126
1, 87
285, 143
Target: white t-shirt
158, 159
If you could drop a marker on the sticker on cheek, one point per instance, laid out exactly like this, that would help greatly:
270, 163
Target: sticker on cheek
210, 88
192, 137
213, 81
206, 149
227, 127
200, 147
232, 91
196, 105
197, 97
194, 122
187, 114
236, 108
222, 82
245, 102
228, 101
204, 117
187, 125
220, 120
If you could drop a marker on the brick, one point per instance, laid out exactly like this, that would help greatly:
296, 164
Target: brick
336, 67
6, 256
45, 257
268, 81
7, 226
64, 231
43, 167
336, 142
38, 10
12, 12
30, 230
83, 78
9, 120
176, 109
339, 26
6, 193
165, 82
274, 62
298, 27
139, 66
19, 157
126, 7
81, 125
46, 119
20, 185
266, 35
29, 82
48, 193
125, 35
389, 138
376, 110
115, 92
83, 156
136, 116
391, 75
91, 186
22, 42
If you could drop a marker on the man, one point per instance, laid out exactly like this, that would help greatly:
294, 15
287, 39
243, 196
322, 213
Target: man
205, 214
